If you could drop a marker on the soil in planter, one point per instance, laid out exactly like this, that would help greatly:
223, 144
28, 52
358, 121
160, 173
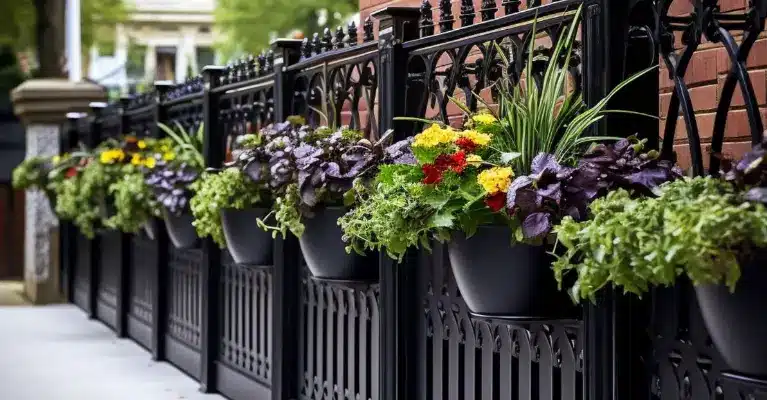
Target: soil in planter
180, 229
325, 252
499, 279
247, 243
737, 322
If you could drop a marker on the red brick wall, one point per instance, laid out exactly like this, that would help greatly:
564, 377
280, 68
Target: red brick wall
705, 77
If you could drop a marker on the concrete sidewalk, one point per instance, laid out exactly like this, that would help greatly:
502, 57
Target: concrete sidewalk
56, 353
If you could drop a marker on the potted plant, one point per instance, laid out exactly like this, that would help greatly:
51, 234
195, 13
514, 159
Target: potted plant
227, 205
170, 181
84, 196
134, 201
492, 191
313, 172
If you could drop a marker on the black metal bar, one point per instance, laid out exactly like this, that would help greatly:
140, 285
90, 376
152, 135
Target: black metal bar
160, 268
123, 280
93, 140
287, 278
67, 230
398, 288
213, 152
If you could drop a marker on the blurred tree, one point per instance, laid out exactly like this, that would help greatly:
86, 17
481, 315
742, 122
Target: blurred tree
249, 25
39, 24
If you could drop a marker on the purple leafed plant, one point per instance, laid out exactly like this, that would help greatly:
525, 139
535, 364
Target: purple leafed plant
170, 185
552, 190
750, 173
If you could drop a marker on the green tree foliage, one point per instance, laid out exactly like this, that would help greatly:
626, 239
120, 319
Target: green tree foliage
248, 25
98, 19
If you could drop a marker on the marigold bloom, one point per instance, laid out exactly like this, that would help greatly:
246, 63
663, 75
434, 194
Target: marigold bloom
111, 156
458, 162
474, 160
141, 144
496, 179
484, 119
496, 202
136, 159
150, 162
479, 139
434, 136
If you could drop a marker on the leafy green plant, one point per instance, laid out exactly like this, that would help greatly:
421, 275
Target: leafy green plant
216, 191
700, 227
133, 200
81, 198
32, 173
187, 145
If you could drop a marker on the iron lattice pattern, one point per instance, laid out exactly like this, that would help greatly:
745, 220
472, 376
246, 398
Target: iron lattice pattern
461, 357
185, 296
339, 342
82, 270
143, 259
340, 90
246, 319
110, 268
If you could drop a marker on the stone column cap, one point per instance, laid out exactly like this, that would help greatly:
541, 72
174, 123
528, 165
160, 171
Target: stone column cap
47, 101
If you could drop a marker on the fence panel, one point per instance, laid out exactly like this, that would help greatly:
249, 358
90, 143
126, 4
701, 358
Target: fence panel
245, 96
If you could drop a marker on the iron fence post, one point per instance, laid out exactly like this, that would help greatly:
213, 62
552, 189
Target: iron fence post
615, 341
398, 282
123, 279
160, 281
286, 290
213, 152
94, 257
68, 233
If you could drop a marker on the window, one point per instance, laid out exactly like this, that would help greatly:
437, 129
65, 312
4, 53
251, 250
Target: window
205, 56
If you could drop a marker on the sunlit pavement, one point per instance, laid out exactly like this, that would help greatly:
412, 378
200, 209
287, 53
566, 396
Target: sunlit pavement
56, 353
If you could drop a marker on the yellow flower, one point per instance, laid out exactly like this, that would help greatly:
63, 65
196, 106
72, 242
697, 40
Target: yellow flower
112, 155
479, 139
150, 162
56, 159
136, 159
474, 160
496, 179
169, 156
141, 144
434, 136
484, 119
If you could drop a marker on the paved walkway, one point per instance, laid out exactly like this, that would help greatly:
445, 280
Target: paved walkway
56, 353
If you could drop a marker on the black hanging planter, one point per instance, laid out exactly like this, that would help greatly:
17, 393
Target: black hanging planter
736, 321
247, 243
497, 279
180, 229
325, 252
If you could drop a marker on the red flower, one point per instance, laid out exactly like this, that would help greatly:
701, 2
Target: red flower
496, 202
432, 174
466, 144
443, 162
458, 161
71, 171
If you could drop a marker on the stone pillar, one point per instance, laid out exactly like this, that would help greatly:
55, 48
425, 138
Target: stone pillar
42, 105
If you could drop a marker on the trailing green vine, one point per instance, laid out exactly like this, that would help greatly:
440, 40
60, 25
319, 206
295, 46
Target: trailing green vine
701, 227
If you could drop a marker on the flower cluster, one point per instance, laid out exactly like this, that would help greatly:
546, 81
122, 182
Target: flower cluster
496, 183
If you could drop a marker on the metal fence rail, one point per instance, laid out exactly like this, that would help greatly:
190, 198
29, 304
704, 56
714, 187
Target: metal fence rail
276, 332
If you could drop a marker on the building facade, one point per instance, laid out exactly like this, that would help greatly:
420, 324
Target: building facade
162, 40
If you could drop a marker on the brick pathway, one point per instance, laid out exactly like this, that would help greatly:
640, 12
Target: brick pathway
56, 353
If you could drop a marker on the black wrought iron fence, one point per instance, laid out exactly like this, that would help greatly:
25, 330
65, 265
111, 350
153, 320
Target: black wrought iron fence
274, 331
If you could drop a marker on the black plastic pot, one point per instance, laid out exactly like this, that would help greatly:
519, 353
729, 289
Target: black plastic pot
325, 253
180, 229
736, 321
499, 279
247, 243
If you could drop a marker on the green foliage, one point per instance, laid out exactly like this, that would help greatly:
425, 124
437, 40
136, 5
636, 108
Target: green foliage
187, 146
547, 119
249, 25
31, 173
97, 17
81, 198
286, 213
215, 192
134, 202
699, 227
